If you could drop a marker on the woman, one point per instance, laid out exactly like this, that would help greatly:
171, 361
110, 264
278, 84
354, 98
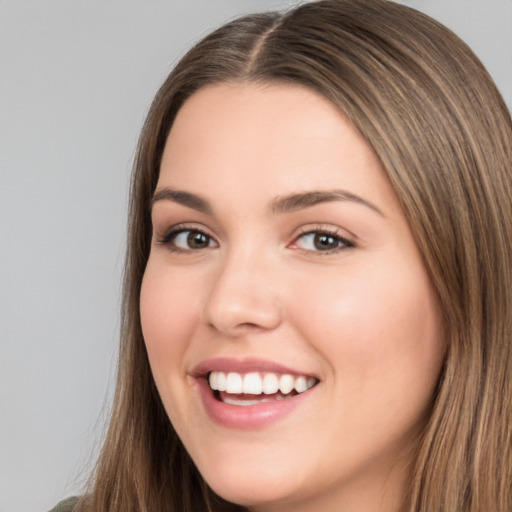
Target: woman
317, 310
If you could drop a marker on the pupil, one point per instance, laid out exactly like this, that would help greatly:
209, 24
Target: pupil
323, 242
197, 240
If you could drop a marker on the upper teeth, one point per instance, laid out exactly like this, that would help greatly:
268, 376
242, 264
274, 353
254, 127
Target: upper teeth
255, 383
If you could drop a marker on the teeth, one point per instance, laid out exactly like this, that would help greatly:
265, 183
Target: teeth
234, 401
300, 384
221, 381
286, 383
213, 379
245, 402
252, 384
234, 383
256, 383
270, 384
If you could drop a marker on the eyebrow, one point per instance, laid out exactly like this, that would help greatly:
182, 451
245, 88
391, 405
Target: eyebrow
294, 202
283, 204
184, 198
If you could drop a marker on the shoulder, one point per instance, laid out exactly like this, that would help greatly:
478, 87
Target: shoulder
65, 506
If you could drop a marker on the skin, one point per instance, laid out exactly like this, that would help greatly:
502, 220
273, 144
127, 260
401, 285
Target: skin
363, 318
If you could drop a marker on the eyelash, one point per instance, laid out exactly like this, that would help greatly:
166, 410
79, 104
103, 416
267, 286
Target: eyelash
169, 237
343, 243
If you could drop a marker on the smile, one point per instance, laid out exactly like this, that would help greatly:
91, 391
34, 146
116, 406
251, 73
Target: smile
252, 393
242, 389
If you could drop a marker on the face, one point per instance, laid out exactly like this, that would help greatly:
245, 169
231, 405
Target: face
283, 274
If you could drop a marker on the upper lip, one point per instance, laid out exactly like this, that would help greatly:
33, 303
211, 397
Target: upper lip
245, 365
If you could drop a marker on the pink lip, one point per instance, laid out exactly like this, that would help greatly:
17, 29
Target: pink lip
250, 364
248, 417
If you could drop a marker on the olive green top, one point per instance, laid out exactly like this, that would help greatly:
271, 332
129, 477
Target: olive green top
65, 506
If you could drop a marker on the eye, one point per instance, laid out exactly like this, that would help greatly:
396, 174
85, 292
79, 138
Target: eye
321, 241
187, 240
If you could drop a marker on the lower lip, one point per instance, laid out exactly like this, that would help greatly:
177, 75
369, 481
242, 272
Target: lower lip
248, 417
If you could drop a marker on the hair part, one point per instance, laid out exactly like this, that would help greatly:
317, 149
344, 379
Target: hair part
444, 136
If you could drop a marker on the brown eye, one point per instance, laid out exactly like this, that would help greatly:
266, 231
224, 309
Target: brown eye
197, 240
188, 240
325, 242
318, 241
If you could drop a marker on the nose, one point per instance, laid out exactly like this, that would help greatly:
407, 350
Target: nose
243, 297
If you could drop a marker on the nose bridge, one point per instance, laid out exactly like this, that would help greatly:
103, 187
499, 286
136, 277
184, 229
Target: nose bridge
243, 294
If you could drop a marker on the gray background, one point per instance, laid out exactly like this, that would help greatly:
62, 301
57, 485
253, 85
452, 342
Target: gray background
76, 79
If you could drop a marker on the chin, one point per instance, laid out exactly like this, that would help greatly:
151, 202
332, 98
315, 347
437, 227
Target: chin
252, 488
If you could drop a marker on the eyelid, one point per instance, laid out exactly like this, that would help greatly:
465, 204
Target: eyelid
348, 242
169, 234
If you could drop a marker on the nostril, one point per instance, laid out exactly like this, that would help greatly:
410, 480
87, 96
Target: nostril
248, 326
233, 324
239, 303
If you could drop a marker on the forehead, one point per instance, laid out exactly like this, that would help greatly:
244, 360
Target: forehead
267, 138
275, 115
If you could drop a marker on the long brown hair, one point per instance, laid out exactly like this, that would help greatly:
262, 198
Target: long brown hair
444, 136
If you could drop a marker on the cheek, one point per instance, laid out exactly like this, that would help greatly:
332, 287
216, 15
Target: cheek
374, 313
168, 313
380, 333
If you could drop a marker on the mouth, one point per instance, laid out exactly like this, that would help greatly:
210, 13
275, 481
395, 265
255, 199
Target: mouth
252, 393
253, 388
